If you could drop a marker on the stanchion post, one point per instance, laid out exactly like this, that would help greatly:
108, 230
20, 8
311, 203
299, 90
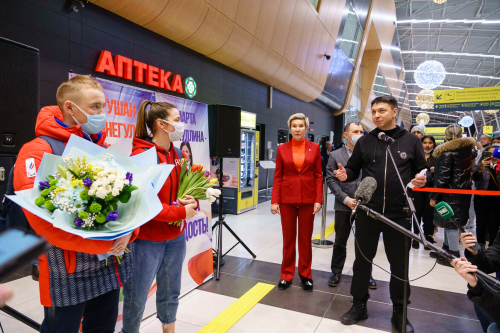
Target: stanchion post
322, 242
267, 182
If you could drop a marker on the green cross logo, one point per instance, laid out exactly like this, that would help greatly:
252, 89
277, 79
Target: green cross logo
190, 87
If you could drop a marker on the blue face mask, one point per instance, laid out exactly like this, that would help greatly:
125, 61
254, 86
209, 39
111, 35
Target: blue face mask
345, 141
95, 122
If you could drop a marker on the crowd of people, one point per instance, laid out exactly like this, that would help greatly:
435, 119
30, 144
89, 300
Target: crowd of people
157, 249
460, 163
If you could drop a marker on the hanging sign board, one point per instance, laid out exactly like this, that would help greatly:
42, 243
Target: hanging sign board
487, 129
248, 120
485, 98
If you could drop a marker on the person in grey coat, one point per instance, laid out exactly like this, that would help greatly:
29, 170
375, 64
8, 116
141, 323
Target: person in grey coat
344, 201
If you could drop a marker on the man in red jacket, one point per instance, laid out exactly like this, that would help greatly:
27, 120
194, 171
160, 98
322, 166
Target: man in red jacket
73, 282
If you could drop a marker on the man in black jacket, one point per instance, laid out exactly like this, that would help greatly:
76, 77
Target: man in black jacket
371, 157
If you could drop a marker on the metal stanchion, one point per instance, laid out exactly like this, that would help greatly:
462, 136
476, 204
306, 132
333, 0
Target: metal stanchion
322, 242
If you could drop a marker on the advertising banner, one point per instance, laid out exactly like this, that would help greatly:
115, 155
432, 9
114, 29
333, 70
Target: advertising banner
485, 98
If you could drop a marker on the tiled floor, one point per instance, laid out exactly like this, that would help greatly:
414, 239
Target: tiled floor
439, 303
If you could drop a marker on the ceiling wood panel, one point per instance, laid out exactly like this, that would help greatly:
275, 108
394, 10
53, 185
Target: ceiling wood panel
283, 23
128, 9
247, 14
292, 43
212, 34
267, 21
226, 7
237, 45
313, 47
305, 40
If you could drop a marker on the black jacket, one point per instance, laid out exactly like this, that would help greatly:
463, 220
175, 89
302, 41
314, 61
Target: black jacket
453, 170
482, 295
370, 156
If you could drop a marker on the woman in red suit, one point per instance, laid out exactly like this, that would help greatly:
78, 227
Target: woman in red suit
297, 194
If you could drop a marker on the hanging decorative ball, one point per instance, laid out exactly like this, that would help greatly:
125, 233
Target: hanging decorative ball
423, 119
425, 99
430, 74
491, 111
466, 121
439, 2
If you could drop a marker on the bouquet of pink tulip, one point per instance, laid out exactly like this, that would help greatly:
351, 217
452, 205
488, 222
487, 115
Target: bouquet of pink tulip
197, 183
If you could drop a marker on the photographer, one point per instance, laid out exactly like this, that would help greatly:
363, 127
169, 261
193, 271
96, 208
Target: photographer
481, 294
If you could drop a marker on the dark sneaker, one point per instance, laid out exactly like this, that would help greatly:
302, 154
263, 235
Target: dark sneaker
372, 284
35, 272
284, 284
397, 319
356, 313
415, 244
334, 280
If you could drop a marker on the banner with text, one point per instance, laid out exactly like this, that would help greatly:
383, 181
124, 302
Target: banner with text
470, 99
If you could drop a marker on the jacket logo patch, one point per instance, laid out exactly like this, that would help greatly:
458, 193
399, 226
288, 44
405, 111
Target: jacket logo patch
403, 155
30, 167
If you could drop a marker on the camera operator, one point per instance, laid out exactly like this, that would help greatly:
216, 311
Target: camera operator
481, 294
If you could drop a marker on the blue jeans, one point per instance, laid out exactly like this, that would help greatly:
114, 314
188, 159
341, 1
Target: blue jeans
161, 259
451, 238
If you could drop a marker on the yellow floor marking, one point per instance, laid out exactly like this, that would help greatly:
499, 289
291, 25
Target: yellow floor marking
224, 321
328, 231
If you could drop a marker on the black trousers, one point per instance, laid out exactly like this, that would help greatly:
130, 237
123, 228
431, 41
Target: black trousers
342, 232
487, 218
424, 212
367, 236
99, 316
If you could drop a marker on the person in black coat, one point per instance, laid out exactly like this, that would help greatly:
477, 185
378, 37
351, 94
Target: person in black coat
480, 293
453, 171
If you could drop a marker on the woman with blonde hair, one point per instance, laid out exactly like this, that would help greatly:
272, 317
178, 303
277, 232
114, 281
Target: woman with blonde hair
297, 195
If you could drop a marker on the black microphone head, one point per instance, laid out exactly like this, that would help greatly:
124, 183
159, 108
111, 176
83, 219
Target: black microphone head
365, 190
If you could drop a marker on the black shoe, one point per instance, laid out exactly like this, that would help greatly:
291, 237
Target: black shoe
307, 284
356, 313
334, 280
35, 272
415, 244
397, 319
284, 284
372, 284
430, 239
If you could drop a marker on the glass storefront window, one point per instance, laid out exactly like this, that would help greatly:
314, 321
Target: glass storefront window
351, 35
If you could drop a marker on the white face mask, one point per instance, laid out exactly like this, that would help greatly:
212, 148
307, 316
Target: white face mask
177, 134
428, 151
355, 138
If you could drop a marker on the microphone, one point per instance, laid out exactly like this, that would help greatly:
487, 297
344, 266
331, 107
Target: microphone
444, 210
387, 139
364, 192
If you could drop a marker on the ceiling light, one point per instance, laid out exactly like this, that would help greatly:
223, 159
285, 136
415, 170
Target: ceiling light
439, 2
423, 119
491, 111
448, 21
461, 54
430, 74
425, 99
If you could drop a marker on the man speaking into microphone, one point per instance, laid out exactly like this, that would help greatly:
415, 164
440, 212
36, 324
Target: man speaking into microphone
370, 157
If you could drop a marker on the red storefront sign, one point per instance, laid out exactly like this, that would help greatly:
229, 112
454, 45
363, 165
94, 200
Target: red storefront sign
150, 75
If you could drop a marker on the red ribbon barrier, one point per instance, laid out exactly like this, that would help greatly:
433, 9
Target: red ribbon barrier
449, 190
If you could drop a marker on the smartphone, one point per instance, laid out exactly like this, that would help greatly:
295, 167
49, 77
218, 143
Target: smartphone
487, 154
18, 248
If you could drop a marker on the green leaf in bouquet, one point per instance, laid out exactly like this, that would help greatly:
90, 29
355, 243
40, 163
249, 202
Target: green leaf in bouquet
193, 181
53, 182
49, 178
183, 169
109, 197
101, 218
115, 206
108, 210
84, 215
95, 207
125, 197
50, 206
40, 201
129, 189
63, 172
45, 192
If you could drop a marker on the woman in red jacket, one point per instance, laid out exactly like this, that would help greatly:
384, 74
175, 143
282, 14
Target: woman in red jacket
297, 193
160, 247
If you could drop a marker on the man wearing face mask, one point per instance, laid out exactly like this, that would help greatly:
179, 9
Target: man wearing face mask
344, 201
73, 282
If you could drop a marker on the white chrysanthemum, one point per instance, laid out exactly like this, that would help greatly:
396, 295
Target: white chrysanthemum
120, 176
115, 192
108, 189
111, 178
92, 192
101, 193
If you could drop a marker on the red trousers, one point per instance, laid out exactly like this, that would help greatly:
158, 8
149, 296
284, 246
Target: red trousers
289, 215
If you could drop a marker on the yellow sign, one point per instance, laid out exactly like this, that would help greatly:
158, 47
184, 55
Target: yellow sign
484, 98
437, 133
487, 129
248, 120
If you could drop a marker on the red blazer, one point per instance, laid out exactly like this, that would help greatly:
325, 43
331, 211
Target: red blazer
291, 186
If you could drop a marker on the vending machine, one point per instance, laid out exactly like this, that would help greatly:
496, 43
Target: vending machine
240, 175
